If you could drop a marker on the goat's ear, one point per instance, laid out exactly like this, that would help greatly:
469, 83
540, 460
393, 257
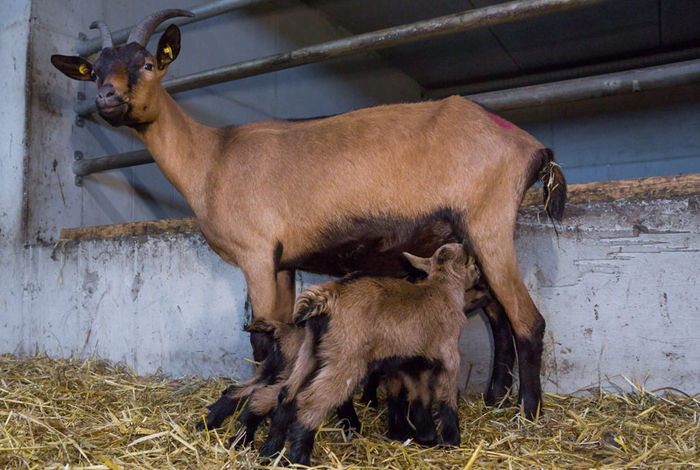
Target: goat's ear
422, 264
74, 67
168, 46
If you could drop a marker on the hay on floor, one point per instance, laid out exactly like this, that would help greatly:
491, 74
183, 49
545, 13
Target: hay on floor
95, 415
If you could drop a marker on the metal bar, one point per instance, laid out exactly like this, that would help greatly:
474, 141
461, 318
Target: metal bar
463, 21
582, 88
201, 12
111, 162
599, 86
566, 74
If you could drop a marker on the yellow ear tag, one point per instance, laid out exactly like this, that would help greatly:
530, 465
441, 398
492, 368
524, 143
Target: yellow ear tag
168, 51
83, 69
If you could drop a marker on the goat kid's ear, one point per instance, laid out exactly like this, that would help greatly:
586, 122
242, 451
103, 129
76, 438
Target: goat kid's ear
168, 46
74, 67
422, 264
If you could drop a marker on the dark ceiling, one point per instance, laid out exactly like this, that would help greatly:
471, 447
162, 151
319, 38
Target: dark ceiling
610, 31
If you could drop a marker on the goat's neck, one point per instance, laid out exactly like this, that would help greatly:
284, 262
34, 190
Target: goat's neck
182, 147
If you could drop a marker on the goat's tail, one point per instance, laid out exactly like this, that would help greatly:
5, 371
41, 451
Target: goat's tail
554, 184
313, 302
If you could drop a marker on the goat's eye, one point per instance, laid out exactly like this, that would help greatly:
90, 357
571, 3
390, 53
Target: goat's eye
148, 66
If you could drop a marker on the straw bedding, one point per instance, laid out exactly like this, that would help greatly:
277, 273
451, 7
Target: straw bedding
92, 414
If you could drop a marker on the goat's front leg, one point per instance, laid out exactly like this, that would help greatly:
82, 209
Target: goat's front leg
271, 297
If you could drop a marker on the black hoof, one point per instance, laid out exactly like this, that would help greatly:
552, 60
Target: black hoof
270, 447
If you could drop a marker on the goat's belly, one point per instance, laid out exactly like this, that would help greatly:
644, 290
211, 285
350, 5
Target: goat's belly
375, 246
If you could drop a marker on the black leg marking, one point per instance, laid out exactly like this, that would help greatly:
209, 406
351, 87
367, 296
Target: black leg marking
422, 420
369, 395
348, 417
398, 428
261, 343
249, 425
282, 418
449, 425
529, 364
301, 443
503, 353
219, 411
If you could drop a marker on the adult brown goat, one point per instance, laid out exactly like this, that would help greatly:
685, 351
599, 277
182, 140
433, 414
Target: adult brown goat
340, 194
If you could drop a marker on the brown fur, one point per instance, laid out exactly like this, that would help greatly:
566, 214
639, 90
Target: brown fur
307, 184
373, 319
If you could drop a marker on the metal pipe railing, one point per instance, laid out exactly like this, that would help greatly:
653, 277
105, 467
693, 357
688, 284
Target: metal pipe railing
581, 88
201, 12
463, 21
82, 167
567, 74
630, 81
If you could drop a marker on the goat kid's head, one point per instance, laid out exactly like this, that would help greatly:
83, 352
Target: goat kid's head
127, 76
451, 259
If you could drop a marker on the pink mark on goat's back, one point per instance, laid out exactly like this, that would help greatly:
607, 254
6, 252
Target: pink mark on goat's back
501, 122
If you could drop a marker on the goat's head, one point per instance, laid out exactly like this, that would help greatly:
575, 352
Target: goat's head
127, 76
450, 259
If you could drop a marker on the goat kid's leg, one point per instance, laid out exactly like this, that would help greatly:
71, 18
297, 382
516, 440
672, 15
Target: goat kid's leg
249, 421
369, 394
494, 247
333, 385
260, 403
447, 393
420, 404
348, 417
398, 428
503, 354
221, 409
282, 418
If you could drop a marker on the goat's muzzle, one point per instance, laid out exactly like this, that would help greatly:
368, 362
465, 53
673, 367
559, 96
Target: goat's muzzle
111, 104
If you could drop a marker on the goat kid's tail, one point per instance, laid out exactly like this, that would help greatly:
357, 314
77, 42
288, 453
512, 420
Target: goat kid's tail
554, 185
313, 302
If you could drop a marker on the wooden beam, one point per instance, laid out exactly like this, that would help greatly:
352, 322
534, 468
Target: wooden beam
132, 229
656, 187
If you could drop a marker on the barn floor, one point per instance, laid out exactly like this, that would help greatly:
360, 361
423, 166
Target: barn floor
95, 415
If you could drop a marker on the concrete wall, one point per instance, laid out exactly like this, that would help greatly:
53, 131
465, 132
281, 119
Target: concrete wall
618, 289
14, 37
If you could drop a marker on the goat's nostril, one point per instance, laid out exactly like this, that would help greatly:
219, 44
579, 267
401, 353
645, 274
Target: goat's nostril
109, 93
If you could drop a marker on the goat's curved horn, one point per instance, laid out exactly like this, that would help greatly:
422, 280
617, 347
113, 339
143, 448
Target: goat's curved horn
104, 30
142, 31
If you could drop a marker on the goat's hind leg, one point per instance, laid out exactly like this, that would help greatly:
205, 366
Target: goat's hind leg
503, 354
495, 250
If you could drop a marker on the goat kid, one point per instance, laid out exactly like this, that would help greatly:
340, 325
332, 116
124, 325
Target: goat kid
368, 324
393, 178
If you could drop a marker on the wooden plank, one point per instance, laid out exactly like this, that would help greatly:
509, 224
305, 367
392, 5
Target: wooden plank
656, 187
132, 229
